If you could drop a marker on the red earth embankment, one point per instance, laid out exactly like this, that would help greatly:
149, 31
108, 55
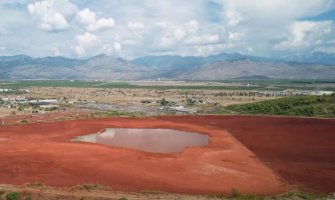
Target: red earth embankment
300, 150
297, 151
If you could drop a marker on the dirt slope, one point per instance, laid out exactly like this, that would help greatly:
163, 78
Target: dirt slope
299, 150
43, 152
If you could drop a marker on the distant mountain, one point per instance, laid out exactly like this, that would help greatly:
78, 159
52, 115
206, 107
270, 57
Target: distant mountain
172, 66
312, 58
251, 69
169, 66
215, 67
106, 67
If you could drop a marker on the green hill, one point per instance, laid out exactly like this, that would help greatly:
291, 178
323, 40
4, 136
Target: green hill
311, 106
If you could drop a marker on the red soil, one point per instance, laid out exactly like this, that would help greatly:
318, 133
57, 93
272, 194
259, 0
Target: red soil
300, 151
42, 152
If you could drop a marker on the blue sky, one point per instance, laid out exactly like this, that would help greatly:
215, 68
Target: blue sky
133, 28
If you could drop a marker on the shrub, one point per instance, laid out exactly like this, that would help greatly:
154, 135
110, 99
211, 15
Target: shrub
13, 196
24, 121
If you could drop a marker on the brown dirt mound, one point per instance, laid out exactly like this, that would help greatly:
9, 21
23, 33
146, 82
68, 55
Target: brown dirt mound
44, 153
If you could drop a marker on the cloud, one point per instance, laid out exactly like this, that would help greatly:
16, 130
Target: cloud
192, 26
233, 17
235, 36
188, 27
51, 15
135, 26
161, 24
203, 39
88, 19
305, 34
114, 48
129, 42
84, 42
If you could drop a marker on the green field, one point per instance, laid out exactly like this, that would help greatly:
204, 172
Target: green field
311, 106
125, 85
270, 85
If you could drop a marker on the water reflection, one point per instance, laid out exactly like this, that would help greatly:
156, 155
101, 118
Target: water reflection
150, 140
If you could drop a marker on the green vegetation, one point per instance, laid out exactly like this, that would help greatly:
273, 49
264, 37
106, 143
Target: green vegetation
13, 196
303, 195
291, 195
164, 102
24, 121
36, 184
93, 187
119, 85
311, 106
114, 113
248, 84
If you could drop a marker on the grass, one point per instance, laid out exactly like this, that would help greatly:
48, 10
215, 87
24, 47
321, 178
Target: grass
13, 196
35, 184
291, 195
310, 106
94, 187
114, 113
24, 121
272, 84
118, 85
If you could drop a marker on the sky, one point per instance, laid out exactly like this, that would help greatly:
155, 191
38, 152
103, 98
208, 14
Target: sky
135, 28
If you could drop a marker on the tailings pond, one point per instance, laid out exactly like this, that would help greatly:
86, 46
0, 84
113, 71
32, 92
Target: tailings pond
149, 140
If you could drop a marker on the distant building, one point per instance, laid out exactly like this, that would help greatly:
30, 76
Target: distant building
14, 98
5, 90
319, 93
181, 109
49, 106
44, 101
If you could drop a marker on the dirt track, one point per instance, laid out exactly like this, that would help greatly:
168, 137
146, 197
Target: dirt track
42, 152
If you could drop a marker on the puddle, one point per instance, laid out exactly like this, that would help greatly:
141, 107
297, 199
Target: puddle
150, 140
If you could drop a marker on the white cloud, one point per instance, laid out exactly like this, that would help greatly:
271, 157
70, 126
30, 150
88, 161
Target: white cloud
167, 42
305, 33
84, 42
179, 34
117, 46
161, 24
235, 36
275, 12
51, 15
135, 26
129, 42
88, 19
233, 17
267, 27
192, 26
203, 39
171, 39
114, 48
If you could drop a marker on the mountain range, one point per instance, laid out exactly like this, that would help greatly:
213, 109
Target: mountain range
316, 65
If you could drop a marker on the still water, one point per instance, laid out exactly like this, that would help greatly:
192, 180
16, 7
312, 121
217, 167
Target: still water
150, 140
